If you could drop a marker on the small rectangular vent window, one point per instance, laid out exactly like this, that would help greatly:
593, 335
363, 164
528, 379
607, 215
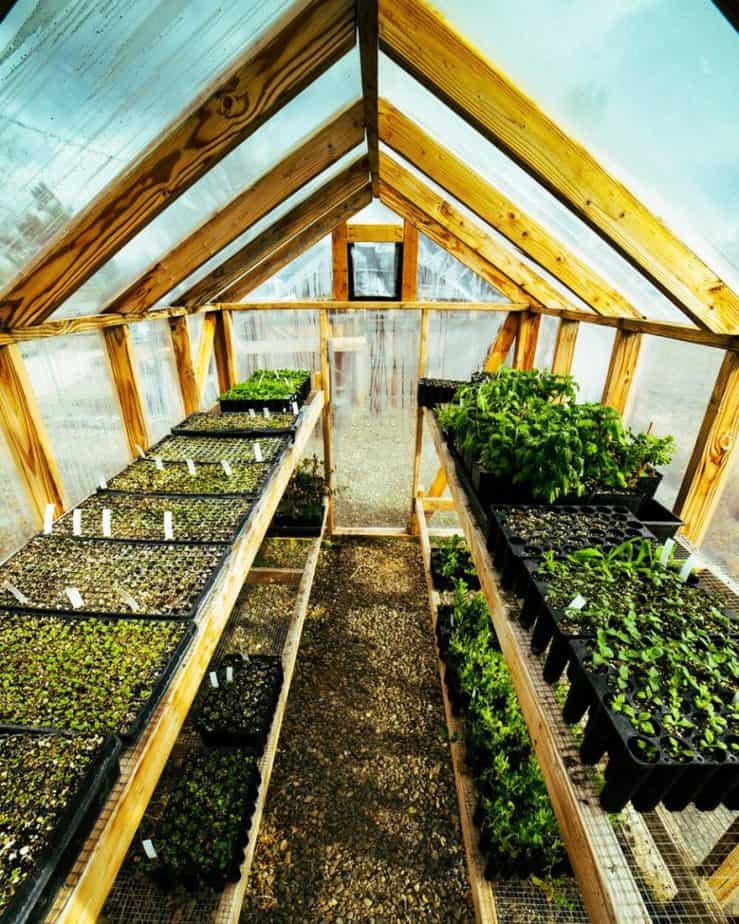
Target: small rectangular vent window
374, 271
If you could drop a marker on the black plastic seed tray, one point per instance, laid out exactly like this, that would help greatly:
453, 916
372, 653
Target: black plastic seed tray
262, 669
442, 582
198, 519
210, 479
432, 392
232, 424
55, 563
660, 521
35, 894
643, 777
510, 547
211, 448
444, 629
476, 507
280, 405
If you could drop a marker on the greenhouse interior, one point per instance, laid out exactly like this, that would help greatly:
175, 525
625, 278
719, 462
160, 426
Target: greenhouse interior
369, 408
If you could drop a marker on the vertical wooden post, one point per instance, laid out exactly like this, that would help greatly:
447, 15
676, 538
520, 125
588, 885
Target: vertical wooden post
125, 378
409, 279
179, 331
528, 335
621, 369
328, 467
340, 261
228, 373
28, 442
501, 346
564, 348
422, 358
715, 447
205, 351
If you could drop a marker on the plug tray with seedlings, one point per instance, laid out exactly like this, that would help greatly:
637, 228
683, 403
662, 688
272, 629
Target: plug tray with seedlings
660, 521
198, 822
451, 561
217, 448
208, 479
52, 787
239, 711
436, 391
86, 674
516, 533
111, 577
237, 423
275, 389
141, 517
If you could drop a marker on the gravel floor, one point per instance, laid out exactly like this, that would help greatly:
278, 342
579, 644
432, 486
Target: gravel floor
361, 821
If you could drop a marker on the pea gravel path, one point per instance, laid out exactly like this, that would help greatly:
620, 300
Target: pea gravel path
361, 822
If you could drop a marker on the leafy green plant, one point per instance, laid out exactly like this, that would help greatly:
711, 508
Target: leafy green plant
268, 384
451, 558
305, 493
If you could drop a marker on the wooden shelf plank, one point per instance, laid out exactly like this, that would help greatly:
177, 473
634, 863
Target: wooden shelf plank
87, 887
229, 908
609, 891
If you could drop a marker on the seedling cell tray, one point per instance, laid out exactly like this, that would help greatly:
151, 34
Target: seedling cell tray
216, 449
167, 579
660, 521
34, 896
237, 424
442, 582
209, 480
279, 405
432, 392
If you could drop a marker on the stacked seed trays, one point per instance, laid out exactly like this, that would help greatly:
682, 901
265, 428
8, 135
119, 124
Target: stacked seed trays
96, 614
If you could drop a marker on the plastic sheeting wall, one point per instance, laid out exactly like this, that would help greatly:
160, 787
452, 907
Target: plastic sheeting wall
210, 392
548, 327
155, 362
278, 339
17, 521
72, 382
443, 278
720, 545
590, 362
307, 276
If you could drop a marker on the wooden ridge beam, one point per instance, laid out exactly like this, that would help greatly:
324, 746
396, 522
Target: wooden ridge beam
126, 381
564, 347
300, 217
714, 450
179, 330
418, 39
441, 166
537, 289
26, 436
240, 102
621, 370
322, 149
369, 59
293, 248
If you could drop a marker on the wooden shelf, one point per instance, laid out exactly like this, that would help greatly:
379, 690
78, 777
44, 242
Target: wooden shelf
81, 899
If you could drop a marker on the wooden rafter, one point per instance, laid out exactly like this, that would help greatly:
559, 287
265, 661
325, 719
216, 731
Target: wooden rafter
501, 346
296, 220
417, 38
368, 53
300, 166
460, 181
237, 105
290, 250
537, 289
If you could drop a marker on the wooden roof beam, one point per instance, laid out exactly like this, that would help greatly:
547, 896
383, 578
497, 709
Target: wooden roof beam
369, 55
326, 146
537, 290
452, 174
220, 279
235, 107
418, 39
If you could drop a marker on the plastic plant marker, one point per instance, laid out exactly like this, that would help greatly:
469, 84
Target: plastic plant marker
267, 414
295, 407
213, 676
229, 674
140, 451
149, 849
691, 563
130, 601
106, 522
252, 412
577, 603
190, 466
48, 518
102, 483
12, 589
77, 522
158, 463
75, 597
666, 551
168, 529
227, 467
258, 452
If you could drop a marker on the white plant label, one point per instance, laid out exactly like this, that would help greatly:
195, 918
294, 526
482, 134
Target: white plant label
130, 601
229, 674
688, 567
106, 522
295, 408
190, 466
48, 518
213, 680
77, 522
140, 450
168, 525
102, 483
227, 467
666, 551
252, 412
257, 452
266, 412
12, 589
158, 463
149, 849
577, 603
75, 597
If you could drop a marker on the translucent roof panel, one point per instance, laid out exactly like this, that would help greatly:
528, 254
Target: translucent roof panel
85, 86
443, 278
259, 227
306, 277
453, 133
294, 123
376, 213
648, 86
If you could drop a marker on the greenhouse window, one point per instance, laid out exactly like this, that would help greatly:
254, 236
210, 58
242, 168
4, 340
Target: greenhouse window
375, 270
